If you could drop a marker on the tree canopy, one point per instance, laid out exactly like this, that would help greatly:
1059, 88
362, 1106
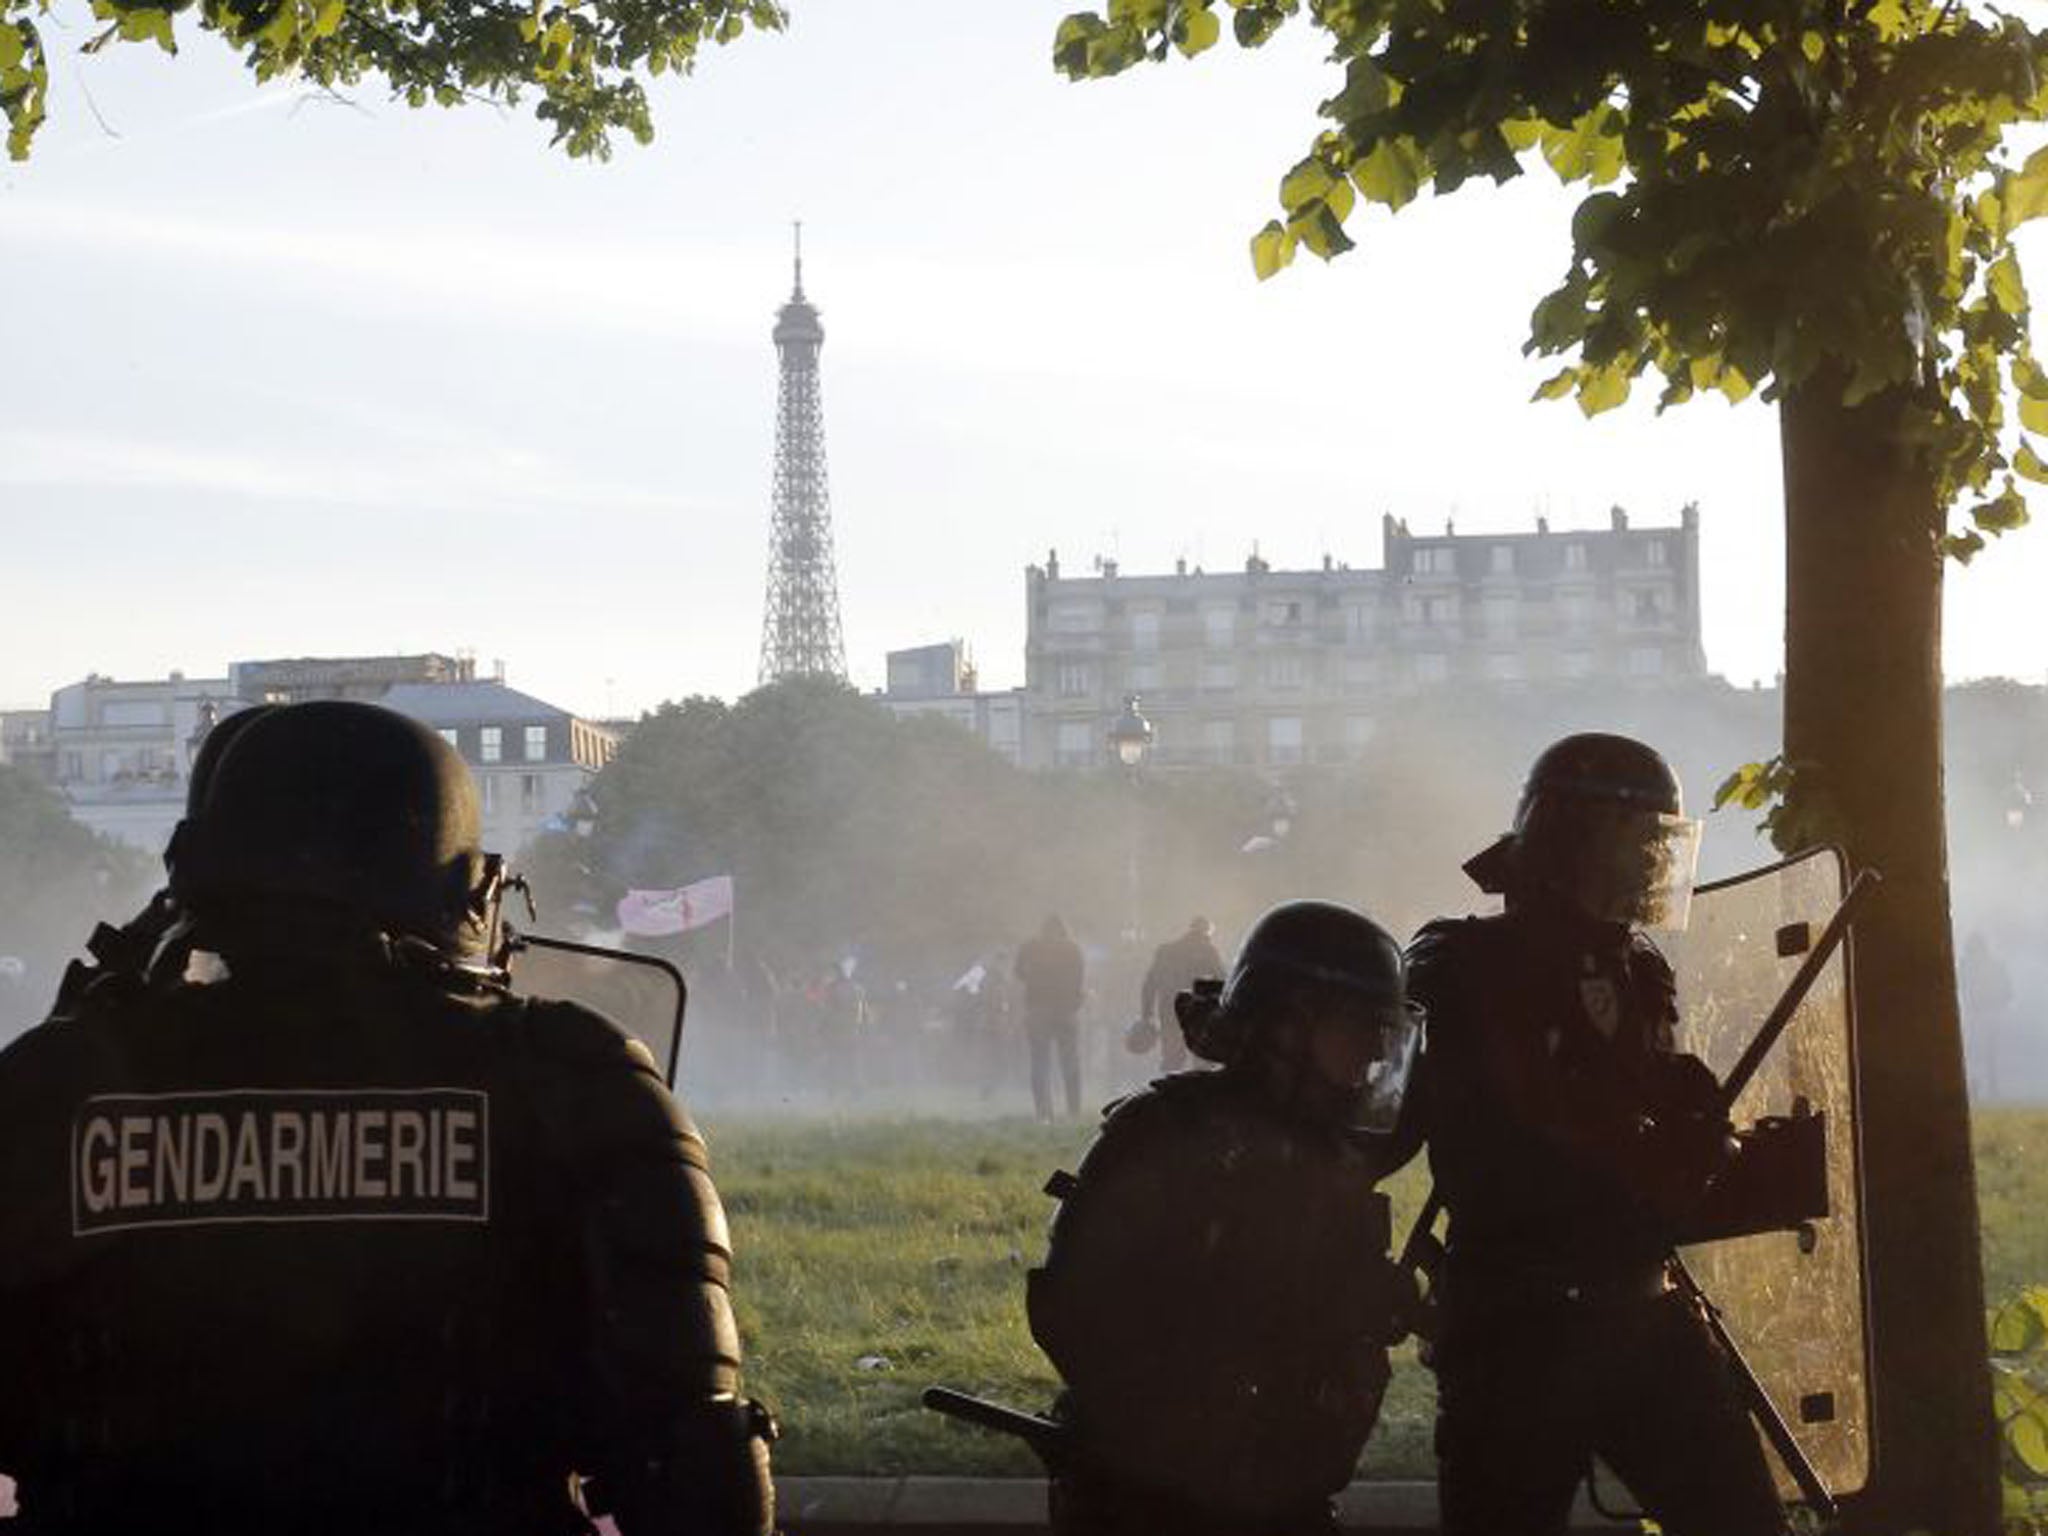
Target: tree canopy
1775, 188
586, 59
57, 878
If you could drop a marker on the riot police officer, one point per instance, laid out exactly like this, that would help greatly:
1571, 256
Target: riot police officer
1216, 1291
1567, 1135
349, 1238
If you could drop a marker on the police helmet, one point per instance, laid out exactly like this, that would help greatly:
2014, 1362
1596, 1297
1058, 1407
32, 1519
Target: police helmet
212, 746
1601, 821
1311, 962
345, 803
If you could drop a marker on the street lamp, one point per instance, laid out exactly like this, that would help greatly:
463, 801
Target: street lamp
2019, 800
1130, 736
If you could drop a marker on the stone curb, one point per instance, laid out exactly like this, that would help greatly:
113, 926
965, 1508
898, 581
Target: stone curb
988, 1504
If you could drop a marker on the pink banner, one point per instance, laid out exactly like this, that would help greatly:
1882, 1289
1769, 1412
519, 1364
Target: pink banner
657, 914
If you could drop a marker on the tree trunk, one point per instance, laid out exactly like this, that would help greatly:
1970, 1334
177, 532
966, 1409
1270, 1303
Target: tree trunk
1863, 732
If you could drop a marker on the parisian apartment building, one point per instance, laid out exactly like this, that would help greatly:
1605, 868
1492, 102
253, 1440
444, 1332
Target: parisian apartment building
120, 751
1275, 670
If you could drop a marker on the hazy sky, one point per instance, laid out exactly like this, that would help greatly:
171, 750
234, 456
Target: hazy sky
290, 377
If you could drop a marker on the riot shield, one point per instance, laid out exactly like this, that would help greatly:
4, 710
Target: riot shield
642, 994
1793, 1301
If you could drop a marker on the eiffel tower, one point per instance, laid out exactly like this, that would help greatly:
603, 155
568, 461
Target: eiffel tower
800, 627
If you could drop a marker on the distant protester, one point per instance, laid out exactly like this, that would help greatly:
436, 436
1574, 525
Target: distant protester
1176, 966
1054, 978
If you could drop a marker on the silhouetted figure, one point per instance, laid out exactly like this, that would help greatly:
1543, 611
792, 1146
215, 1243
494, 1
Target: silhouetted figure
1217, 1293
1176, 966
1051, 972
1567, 1133
1987, 1000
349, 1237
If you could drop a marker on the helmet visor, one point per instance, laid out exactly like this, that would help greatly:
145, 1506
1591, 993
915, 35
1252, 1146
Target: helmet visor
1367, 1050
1638, 867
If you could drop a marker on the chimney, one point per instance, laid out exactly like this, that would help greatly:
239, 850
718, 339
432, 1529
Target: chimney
1619, 516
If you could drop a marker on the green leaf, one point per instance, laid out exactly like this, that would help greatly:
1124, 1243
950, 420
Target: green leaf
1309, 182
1272, 249
1390, 173
1319, 228
1590, 150
1593, 218
2003, 512
2028, 1436
1365, 92
1962, 547
2026, 190
1199, 30
1602, 389
1557, 386
2033, 416
2004, 285
1522, 133
1814, 46
2021, 1325
2029, 465
2029, 378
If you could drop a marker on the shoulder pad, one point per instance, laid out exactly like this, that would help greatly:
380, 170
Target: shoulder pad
1643, 951
1449, 938
569, 1032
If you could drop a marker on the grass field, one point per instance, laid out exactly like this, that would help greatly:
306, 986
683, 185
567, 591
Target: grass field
878, 1257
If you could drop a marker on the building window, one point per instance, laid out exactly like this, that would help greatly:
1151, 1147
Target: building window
1075, 682
1435, 611
1283, 612
1220, 626
1575, 557
1578, 663
449, 734
1504, 666
1360, 673
1219, 740
1655, 553
1145, 630
1502, 559
1645, 661
1075, 744
1500, 617
1283, 740
530, 797
536, 743
1075, 618
1219, 675
492, 746
1357, 622
1647, 608
1144, 675
1286, 672
1359, 731
1432, 667
487, 790
1575, 609
1440, 561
